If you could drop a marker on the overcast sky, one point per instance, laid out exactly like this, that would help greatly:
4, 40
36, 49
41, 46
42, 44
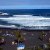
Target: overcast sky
21, 4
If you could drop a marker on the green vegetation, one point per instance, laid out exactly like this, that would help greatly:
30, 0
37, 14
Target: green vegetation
1, 48
48, 45
1, 37
39, 48
36, 48
28, 48
42, 35
19, 36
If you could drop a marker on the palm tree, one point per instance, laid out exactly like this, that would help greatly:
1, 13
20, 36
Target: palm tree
19, 36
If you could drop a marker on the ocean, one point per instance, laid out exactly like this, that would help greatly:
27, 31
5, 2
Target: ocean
31, 19
35, 12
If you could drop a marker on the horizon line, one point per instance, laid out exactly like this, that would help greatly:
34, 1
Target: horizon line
25, 7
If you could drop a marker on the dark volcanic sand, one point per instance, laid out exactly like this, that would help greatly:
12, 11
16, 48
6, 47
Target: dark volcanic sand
31, 38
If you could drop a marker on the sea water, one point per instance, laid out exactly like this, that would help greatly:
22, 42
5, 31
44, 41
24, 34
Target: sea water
31, 19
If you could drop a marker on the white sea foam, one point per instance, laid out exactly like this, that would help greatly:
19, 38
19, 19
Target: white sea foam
8, 26
28, 20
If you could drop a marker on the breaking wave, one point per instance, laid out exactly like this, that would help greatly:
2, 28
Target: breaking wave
27, 22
